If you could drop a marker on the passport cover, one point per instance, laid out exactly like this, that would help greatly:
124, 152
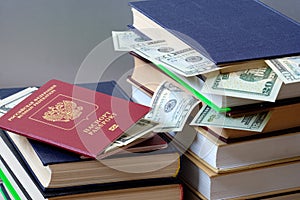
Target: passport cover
72, 117
50, 154
228, 31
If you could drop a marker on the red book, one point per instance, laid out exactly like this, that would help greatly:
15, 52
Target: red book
72, 117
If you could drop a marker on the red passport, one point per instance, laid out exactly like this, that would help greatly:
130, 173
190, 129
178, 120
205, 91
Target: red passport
72, 117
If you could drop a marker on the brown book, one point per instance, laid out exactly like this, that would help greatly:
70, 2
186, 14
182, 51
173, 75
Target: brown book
223, 157
242, 184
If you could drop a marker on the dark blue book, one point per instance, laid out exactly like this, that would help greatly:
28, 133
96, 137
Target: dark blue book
229, 31
59, 172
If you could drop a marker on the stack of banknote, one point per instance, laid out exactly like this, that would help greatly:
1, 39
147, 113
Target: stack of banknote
259, 85
226, 56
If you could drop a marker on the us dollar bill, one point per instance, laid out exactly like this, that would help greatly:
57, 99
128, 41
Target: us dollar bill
209, 117
11, 101
181, 59
123, 40
287, 69
260, 84
140, 130
171, 107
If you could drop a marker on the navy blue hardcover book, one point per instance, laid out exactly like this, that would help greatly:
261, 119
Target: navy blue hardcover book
229, 31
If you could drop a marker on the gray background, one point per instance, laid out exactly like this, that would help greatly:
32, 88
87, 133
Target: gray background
46, 39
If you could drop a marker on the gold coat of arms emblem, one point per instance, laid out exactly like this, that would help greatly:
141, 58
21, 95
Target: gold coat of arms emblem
64, 111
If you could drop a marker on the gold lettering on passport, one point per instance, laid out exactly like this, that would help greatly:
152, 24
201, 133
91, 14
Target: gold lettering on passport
100, 122
32, 104
64, 111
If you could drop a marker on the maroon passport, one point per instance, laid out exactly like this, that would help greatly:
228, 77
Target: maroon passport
68, 116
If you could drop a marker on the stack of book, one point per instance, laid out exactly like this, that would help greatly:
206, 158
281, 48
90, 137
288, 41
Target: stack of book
235, 154
32, 169
241, 60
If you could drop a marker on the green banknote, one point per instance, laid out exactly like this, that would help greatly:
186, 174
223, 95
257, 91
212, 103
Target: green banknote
209, 117
260, 84
287, 69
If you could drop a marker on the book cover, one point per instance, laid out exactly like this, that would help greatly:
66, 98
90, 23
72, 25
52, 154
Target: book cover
227, 31
72, 117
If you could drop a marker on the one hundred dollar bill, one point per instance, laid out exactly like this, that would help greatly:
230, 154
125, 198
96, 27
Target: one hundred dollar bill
287, 69
11, 101
260, 84
123, 40
181, 59
171, 107
209, 117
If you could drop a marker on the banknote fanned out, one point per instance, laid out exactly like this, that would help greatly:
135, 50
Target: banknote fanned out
73, 118
148, 77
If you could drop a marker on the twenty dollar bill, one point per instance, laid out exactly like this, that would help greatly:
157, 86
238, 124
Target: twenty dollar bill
209, 117
288, 69
258, 84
